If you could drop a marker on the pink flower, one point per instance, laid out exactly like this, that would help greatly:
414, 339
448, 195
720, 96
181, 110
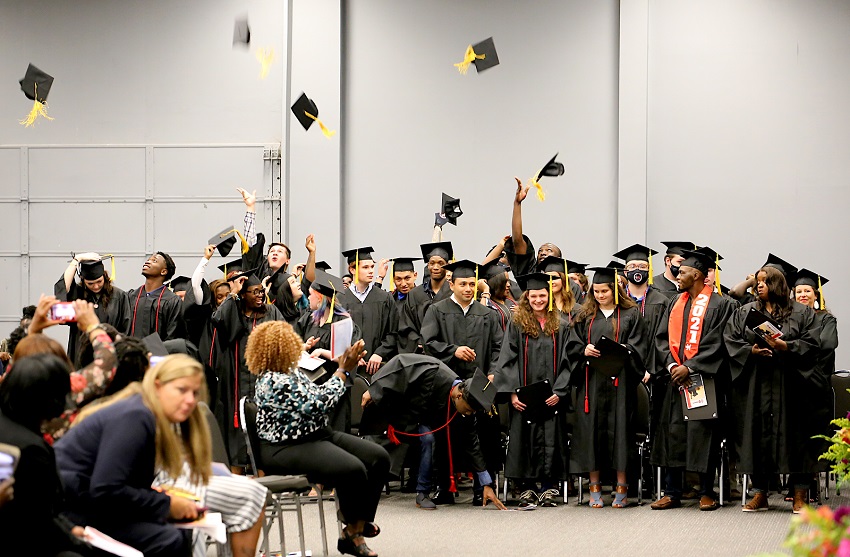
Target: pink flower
78, 383
840, 513
844, 548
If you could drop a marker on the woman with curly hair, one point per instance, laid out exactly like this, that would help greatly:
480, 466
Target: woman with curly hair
769, 377
292, 422
534, 349
606, 394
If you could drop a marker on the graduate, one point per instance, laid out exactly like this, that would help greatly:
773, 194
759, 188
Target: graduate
534, 349
745, 291
466, 336
603, 436
87, 279
419, 396
494, 291
563, 298
808, 290
238, 315
685, 354
290, 300
371, 308
666, 282
404, 277
433, 289
769, 379
576, 272
154, 308
519, 250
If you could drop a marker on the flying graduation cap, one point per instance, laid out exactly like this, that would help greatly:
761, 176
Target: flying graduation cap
306, 112
36, 85
482, 54
552, 168
451, 209
241, 32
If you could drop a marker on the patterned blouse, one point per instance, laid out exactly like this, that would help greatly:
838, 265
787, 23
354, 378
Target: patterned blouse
87, 384
290, 406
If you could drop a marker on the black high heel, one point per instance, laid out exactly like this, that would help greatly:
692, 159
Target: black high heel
345, 545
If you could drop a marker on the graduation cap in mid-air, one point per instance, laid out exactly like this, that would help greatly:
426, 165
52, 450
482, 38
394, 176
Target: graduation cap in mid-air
450, 209
306, 112
241, 32
36, 85
551, 168
482, 54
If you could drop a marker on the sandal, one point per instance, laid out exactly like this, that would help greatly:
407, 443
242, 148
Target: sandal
370, 530
596, 496
346, 546
620, 494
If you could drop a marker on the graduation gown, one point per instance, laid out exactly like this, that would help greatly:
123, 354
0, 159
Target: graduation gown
818, 393
652, 308
771, 413
503, 311
116, 313
200, 330
690, 444
160, 313
604, 437
536, 451
663, 285
377, 318
232, 329
412, 313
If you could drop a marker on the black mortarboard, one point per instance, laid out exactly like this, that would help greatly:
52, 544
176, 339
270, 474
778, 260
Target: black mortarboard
247, 273
241, 32
358, 254
307, 112
636, 252
551, 168
327, 284
404, 264
603, 275
154, 344
462, 269
492, 269
179, 284
698, 260
616, 265
440, 249
36, 84
552, 263
230, 266
451, 209
710, 252
93, 270
224, 241
574, 267
488, 48
805, 276
323, 266
784, 267
481, 394
676, 248
534, 281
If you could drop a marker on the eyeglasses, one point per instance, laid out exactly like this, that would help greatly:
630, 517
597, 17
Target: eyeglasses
637, 267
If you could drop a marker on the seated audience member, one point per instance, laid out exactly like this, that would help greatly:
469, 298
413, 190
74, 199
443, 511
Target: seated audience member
292, 421
108, 459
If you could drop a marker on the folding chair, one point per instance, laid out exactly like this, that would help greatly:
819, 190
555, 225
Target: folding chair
642, 430
280, 488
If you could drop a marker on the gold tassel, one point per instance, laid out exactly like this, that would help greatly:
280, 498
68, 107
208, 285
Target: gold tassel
38, 109
650, 267
717, 274
551, 296
328, 133
541, 195
333, 301
475, 292
616, 288
265, 58
820, 293
468, 58
225, 271
390, 274
356, 278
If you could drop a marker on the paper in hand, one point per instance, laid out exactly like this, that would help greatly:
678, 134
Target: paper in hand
341, 334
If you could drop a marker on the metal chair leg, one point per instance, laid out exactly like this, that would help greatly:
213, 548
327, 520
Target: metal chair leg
565, 487
722, 469
300, 525
338, 523
658, 487
580, 492
267, 525
280, 532
505, 489
744, 490
322, 528
640, 475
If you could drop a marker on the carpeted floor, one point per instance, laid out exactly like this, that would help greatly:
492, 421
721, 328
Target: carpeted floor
462, 530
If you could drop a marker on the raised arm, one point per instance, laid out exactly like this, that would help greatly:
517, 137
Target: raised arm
250, 200
519, 244
310, 268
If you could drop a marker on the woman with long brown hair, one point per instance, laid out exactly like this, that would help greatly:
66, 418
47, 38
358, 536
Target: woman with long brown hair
769, 377
108, 460
534, 349
564, 290
606, 393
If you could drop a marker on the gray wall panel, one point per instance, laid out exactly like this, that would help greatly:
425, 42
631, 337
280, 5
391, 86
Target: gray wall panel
207, 171
10, 304
10, 227
103, 172
100, 227
10, 173
186, 227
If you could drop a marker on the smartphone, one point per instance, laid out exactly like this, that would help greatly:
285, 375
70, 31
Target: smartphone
63, 311
156, 359
9, 455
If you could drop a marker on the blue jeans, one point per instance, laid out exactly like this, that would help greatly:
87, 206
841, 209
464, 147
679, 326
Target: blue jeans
426, 460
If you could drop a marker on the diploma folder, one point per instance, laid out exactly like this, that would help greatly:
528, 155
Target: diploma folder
699, 401
763, 326
534, 397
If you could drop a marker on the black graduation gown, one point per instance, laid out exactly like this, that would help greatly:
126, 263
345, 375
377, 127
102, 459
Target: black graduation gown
652, 308
200, 330
377, 318
604, 437
232, 329
116, 313
536, 451
767, 394
818, 393
161, 313
690, 444
503, 311
412, 313
663, 285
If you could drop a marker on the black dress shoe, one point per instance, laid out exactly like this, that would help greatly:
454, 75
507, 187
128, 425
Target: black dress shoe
444, 498
478, 500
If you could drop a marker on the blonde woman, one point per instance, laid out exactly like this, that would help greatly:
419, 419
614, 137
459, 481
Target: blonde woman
109, 458
292, 421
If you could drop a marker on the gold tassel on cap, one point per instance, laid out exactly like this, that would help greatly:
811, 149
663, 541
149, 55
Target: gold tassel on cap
475, 292
616, 288
650, 267
822, 302
328, 133
265, 58
390, 274
468, 58
541, 195
717, 273
551, 296
38, 109
333, 301
111, 267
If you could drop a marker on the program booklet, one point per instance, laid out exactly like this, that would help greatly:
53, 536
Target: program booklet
341, 333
